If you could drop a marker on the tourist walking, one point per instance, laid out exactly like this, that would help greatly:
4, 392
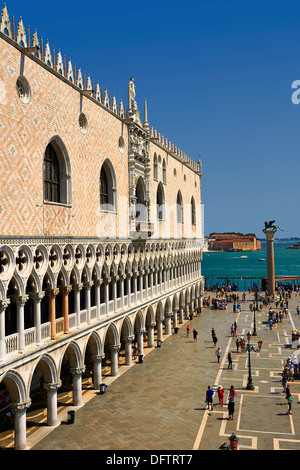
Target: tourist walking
290, 401
215, 340
195, 334
220, 391
237, 345
209, 398
188, 331
218, 354
284, 379
229, 357
231, 402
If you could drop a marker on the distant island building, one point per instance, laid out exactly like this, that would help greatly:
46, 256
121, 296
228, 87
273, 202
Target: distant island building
233, 242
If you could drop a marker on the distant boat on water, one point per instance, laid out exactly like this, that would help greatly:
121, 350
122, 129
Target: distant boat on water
243, 256
261, 259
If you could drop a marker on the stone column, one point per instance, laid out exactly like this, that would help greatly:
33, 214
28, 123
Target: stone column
135, 287
160, 330
106, 294
187, 311
175, 324
3, 305
150, 331
65, 306
128, 350
114, 350
151, 280
77, 288
168, 316
97, 295
97, 370
51, 389
122, 280
146, 283
37, 298
51, 295
141, 280
181, 314
270, 261
87, 287
77, 384
114, 291
128, 280
140, 340
20, 301
20, 424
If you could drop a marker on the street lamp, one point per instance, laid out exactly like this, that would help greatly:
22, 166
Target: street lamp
255, 309
248, 348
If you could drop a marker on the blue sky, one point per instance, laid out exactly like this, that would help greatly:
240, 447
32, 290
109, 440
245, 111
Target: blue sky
217, 77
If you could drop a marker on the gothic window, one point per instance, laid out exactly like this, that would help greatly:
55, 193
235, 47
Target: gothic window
193, 211
51, 181
57, 172
160, 202
103, 187
107, 187
141, 209
155, 167
164, 171
179, 208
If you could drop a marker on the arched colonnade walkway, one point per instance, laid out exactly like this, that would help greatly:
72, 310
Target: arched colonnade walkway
55, 374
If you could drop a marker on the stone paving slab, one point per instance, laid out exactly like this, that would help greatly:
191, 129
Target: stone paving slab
159, 405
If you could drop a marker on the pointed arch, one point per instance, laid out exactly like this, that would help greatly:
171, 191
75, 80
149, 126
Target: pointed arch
57, 172
179, 205
193, 211
108, 187
160, 202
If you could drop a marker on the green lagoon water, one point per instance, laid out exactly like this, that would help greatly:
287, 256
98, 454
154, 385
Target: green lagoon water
221, 267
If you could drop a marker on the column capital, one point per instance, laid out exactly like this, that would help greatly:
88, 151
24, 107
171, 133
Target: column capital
53, 292
88, 284
77, 370
37, 296
4, 303
20, 300
128, 339
98, 357
114, 347
52, 386
66, 289
77, 287
20, 407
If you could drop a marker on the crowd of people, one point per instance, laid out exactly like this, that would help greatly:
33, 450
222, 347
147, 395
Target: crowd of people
276, 314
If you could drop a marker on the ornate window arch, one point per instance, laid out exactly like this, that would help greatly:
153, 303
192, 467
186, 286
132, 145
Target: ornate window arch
193, 211
141, 208
179, 206
108, 188
160, 202
57, 173
164, 169
155, 167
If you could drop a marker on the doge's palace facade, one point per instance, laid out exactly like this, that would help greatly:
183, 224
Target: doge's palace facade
100, 230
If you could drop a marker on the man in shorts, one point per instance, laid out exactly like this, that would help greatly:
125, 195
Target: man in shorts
209, 397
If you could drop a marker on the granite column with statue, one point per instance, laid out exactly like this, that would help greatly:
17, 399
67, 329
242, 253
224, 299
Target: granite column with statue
270, 260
